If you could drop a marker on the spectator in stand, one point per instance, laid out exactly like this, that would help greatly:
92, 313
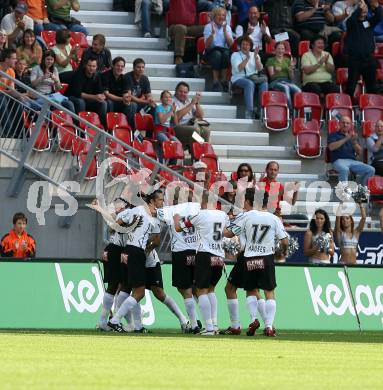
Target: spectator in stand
189, 111
29, 49
15, 23
245, 170
60, 18
320, 225
243, 7
183, 21
3, 40
342, 10
375, 148
218, 40
65, 54
22, 74
246, 67
360, 46
164, 117
318, 69
344, 147
280, 20
143, 11
204, 5
281, 70
45, 79
274, 189
18, 243
255, 28
98, 51
139, 87
116, 90
314, 17
38, 12
86, 90
227, 5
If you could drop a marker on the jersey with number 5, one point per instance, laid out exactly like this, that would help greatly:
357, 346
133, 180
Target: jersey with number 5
210, 225
260, 229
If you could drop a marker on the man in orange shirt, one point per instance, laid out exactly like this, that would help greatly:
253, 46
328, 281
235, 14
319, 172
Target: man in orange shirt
38, 12
18, 243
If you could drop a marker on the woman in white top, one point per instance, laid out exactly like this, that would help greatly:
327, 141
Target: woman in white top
319, 226
246, 67
375, 148
346, 236
218, 40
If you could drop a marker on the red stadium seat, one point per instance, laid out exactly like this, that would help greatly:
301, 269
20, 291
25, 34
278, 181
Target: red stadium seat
367, 128
49, 37
117, 168
234, 176
123, 134
311, 100
145, 147
235, 46
375, 185
80, 148
64, 88
173, 150
308, 139
145, 124
303, 47
335, 49
61, 117
371, 107
43, 141
78, 38
169, 177
341, 80
189, 174
234, 21
66, 135
204, 18
275, 111
91, 117
212, 163
302, 126
339, 102
203, 150
117, 120
270, 47
332, 126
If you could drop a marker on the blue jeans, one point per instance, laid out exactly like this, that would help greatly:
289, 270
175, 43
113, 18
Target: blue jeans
145, 16
286, 86
90, 105
74, 27
345, 165
162, 137
249, 88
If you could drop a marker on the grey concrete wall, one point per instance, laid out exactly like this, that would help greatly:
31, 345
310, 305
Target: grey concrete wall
83, 239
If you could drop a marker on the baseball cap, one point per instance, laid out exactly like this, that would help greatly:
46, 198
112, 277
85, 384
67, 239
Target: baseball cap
199, 165
21, 7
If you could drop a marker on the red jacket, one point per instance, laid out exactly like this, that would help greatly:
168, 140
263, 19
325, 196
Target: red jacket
12, 245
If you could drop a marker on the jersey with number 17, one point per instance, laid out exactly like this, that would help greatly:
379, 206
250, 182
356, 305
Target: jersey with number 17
210, 225
260, 229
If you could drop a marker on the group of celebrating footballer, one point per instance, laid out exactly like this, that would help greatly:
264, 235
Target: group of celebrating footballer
131, 263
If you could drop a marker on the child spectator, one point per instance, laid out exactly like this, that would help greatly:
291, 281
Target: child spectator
18, 243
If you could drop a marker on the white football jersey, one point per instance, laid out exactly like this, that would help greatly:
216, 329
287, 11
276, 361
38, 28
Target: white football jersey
210, 225
261, 228
152, 259
145, 225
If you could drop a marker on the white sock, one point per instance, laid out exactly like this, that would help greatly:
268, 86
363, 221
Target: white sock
262, 309
173, 307
271, 308
205, 307
126, 306
214, 308
252, 306
107, 304
190, 309
232, 305
122, 295
137, 317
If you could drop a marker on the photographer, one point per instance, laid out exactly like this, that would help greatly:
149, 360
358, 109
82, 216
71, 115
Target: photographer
360, 45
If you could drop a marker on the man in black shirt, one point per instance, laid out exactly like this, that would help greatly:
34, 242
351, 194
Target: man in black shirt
139, 86
116, 90
360, 45
99, 52
86, 90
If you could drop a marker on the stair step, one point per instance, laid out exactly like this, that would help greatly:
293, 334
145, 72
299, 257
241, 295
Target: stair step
259, 164
95, 16
235, 125
227, 151
96, 5
206, 98
228, 112
239, 138
149, 56
113, 30
171, 82
121, 42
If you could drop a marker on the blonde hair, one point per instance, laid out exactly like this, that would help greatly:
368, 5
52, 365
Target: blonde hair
216, 11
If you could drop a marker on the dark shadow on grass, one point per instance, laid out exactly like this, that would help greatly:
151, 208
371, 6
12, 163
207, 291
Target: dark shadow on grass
293, 336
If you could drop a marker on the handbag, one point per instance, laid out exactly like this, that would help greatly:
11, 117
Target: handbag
257, 78
185, 70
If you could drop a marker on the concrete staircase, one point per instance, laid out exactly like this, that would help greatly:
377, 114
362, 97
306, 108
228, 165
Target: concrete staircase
235, 140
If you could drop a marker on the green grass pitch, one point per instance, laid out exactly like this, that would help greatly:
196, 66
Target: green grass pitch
38, 360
